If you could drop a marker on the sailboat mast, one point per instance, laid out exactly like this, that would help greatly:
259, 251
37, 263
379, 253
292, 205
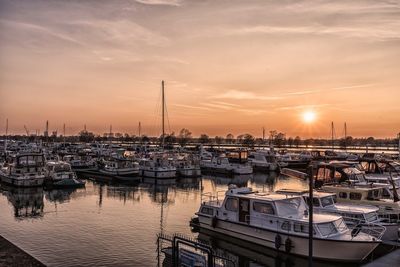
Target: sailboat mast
5, 143
332, 129
345, 136
163, 112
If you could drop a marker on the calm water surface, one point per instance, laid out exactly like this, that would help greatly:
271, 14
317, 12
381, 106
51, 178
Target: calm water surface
117, 225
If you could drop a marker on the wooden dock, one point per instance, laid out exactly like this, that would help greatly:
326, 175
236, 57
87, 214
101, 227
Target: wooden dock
11, 255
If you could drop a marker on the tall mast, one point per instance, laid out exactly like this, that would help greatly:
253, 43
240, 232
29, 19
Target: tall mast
5, 143
140, 129
64, 134
332, 130
345, 136
163, 112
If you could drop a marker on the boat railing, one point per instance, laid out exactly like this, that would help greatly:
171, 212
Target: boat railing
373, 229
213, 199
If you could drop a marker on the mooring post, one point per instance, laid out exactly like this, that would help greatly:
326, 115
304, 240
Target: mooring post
310, 217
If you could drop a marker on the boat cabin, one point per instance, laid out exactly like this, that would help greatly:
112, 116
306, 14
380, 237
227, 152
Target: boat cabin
278, 212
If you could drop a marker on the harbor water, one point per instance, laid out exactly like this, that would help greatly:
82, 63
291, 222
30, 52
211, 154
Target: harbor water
117, 225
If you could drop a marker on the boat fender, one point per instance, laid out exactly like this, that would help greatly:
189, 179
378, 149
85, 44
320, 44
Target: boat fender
214, 221
278, 241
288, 245
356, 230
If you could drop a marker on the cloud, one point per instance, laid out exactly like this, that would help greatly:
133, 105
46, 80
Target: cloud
244, 95
160, 2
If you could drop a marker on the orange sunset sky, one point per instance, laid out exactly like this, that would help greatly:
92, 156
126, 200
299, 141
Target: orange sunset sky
229, 66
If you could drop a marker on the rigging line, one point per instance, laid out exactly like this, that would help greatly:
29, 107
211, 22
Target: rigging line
166, 111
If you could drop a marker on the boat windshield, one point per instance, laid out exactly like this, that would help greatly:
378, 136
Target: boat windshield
354, 174
331, 228
62, 168
371, 217
291, 206
327, 201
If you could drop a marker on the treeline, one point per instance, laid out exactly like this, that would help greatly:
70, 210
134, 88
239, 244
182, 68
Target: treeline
184, 137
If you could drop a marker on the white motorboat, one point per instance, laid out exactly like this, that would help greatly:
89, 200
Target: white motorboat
25, 171
222, 165
187, 166
365, 216
120, 167
60, 174
281, 222
157, 167
263, 161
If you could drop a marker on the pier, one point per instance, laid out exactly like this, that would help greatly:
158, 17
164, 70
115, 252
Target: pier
11, 255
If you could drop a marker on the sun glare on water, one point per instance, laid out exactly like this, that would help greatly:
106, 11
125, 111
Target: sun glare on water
309, 116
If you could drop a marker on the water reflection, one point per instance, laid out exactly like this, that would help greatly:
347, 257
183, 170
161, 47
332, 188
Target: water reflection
59, 196
27, 202
119, 223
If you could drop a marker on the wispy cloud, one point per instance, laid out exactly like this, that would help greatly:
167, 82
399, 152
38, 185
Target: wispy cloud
160, 2
244, 95
191, 107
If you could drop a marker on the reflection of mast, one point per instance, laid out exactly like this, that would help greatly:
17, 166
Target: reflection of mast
100, 195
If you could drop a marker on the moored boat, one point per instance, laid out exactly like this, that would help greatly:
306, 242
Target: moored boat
281, 222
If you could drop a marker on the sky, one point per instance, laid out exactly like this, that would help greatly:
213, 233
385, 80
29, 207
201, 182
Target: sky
229, 66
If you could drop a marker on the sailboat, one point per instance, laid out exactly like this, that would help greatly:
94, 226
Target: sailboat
158, 165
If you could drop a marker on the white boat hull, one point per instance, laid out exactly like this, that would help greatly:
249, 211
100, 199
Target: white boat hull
23, 181
351, 251
159, 174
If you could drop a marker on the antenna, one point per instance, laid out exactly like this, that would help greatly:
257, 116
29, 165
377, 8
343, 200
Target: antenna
140, 129
6, 127
163, 112
263, 133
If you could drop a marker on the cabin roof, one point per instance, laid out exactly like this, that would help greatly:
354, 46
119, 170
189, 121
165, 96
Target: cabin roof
250, 194
355, 189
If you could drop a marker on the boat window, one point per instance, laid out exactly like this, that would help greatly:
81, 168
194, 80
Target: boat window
315, 201
207, 210
342, 194
371, 217
355, 196
327, 228
300, 228
326, 201
266, 208
286, 226
323, 173
232, 204
373, 194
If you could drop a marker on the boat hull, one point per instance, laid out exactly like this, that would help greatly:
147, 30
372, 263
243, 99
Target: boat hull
22, 182
189, 172
349, 251
159, 174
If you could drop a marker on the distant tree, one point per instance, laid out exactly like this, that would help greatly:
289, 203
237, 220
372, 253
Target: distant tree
279, 139
297, 141
170, 138
85, 136
204, 139
290, 141
239, 138
145, 139
229, 138
218, 140
248, 140
184, 136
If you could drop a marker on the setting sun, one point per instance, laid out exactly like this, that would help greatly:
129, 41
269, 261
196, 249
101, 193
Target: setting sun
309, 116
